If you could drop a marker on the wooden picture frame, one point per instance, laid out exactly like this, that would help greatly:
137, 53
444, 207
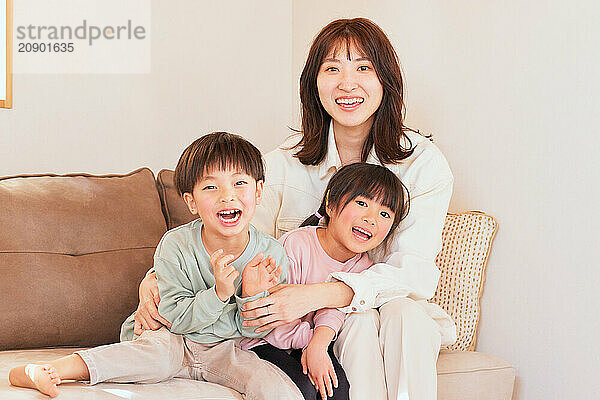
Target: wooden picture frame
6, 53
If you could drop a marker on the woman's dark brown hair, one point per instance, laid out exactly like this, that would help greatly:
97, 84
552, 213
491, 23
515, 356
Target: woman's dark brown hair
367, 180
387, 132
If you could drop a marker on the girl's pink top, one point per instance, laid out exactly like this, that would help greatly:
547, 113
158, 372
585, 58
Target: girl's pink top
308, 264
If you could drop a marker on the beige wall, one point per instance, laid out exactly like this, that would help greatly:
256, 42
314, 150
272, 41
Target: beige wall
215, 65
509, 89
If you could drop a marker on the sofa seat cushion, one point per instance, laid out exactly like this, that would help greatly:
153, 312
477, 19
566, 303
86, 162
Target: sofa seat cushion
470, 375
461, 375
174, 389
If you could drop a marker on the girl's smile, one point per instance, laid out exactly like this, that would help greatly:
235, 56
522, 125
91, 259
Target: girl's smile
361, 234
360, 226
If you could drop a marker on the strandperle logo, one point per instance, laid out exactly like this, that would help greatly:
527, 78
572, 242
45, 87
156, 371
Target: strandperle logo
83, 32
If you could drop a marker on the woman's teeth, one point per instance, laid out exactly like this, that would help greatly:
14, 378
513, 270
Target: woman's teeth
349, 102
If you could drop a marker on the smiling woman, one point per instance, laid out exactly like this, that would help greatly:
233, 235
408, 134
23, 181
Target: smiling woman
5, 53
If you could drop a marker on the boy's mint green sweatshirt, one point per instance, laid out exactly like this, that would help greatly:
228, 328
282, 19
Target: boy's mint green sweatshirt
186, 284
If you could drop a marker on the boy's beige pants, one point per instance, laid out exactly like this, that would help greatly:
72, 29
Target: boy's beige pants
160, 355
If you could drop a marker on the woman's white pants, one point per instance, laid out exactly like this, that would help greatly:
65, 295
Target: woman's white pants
390, 353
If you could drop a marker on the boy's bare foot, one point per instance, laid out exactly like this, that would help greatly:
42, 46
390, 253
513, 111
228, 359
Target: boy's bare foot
41, 377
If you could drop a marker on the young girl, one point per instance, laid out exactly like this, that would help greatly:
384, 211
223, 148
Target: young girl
362, 205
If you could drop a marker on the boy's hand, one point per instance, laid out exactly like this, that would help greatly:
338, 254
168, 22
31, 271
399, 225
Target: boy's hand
321, 373
259, 275
225, 274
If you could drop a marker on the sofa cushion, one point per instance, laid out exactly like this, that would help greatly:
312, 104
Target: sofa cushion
79, 214
73, 249
178, 388
466, 243
469, 375
174, 208
461, 376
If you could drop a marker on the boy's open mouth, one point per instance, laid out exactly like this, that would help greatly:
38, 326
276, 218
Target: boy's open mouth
361, 234
229, 216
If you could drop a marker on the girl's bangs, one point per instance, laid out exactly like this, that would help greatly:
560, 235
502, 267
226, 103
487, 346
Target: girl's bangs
385, 193
382, 191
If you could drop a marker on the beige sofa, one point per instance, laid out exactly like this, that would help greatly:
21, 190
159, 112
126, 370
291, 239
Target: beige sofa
73, 249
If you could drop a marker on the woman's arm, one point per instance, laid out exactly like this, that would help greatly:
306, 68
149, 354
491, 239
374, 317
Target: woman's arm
147, 316
289, 302
298, 297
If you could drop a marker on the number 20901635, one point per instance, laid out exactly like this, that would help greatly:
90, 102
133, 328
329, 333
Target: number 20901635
46, 47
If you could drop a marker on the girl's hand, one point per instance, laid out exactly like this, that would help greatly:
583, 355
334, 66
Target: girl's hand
146, 316
316, 362
284, 304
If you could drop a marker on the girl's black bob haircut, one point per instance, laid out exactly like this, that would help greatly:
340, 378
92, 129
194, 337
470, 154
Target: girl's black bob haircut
217, 150
372, 181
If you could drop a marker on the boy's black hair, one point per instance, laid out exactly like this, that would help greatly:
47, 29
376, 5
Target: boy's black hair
217, 150
366, 180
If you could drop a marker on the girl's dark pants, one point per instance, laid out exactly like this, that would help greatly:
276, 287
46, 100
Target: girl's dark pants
290, 364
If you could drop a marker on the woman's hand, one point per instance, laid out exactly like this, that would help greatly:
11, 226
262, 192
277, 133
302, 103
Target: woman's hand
284, 304
146, 316
317, 363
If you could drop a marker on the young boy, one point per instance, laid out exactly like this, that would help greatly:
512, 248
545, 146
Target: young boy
220, 177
